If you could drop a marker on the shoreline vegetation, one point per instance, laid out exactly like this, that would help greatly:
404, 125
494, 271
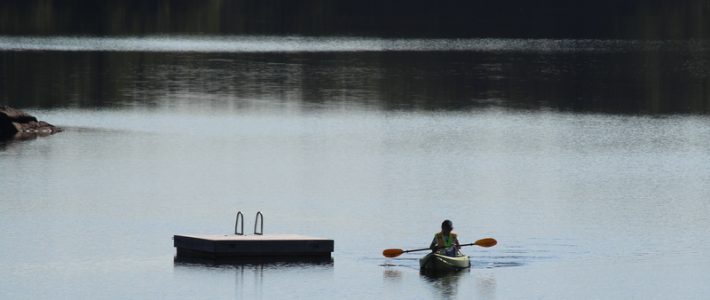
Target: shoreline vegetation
602, 19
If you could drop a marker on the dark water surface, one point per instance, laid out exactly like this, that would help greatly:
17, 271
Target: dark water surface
588, 160
613, 76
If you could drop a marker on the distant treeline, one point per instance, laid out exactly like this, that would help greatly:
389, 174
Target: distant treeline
652, 19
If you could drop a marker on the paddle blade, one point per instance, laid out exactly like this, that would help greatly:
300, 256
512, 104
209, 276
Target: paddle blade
487, 242
392, 252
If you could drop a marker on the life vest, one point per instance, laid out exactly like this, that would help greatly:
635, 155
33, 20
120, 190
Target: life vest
442, 241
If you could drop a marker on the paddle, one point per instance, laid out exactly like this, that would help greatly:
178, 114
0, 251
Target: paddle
487, 242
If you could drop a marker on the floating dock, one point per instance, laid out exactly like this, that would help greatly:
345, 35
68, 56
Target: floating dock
253, 247
259, 247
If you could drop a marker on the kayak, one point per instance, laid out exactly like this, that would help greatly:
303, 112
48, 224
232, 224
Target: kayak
438, 262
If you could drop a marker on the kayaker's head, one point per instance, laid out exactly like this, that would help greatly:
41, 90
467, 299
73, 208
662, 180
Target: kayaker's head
447, 226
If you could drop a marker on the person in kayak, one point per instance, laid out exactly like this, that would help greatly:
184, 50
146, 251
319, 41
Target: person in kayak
445, 242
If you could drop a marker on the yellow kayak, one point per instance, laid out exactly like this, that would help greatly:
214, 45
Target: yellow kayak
438, 262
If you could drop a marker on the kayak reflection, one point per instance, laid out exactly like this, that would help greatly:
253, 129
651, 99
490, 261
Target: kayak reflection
445, 283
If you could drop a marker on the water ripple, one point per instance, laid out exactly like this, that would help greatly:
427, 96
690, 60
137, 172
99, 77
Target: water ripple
257, 44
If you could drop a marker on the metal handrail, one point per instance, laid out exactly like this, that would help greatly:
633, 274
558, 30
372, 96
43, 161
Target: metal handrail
236, 224
261, 232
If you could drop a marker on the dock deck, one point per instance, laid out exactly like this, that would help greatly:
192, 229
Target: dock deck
249, 247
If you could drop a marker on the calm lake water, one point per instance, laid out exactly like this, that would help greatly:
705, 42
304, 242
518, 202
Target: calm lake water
587, 160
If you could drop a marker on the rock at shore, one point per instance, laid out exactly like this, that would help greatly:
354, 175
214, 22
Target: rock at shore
15, 123
7, 129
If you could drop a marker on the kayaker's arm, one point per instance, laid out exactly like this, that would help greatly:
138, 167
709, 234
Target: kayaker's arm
433, 245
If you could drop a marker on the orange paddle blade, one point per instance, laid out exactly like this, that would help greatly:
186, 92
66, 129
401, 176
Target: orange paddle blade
487, 242
392, 252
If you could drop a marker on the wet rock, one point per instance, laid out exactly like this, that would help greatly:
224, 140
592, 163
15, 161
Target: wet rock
7, 128
17, 115
15, 123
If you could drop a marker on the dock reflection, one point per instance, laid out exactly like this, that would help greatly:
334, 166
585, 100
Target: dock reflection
250, 277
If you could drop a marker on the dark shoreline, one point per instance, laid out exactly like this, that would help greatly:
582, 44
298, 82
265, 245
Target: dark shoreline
603, 19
